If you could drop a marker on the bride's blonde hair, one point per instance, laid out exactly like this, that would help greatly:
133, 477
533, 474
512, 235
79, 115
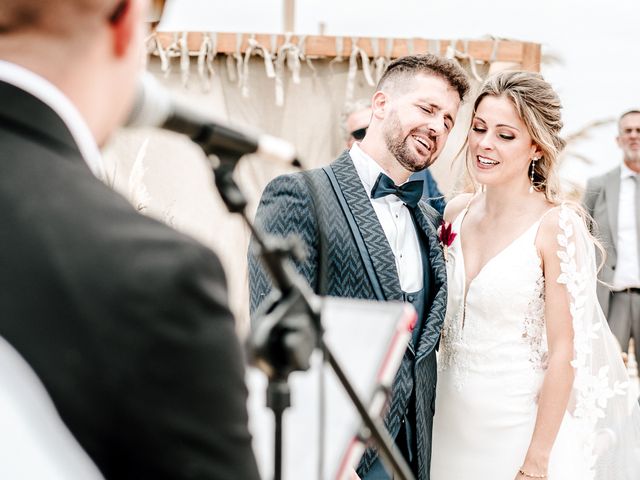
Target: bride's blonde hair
539, 107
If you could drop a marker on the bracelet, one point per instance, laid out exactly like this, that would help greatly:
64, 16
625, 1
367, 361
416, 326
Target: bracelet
531, 475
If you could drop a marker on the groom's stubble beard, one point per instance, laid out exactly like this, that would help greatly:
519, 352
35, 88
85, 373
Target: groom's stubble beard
397, 145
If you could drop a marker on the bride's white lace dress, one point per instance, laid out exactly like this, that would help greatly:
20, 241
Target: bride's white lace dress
492, 362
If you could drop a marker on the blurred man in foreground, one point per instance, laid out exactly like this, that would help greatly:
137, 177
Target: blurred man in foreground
124, 320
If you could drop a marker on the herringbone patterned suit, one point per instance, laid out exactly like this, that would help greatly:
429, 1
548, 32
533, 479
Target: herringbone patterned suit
288, 206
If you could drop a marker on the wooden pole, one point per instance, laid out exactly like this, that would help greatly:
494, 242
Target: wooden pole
289, 15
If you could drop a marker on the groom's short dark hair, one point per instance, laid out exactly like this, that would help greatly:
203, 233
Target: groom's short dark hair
428, 64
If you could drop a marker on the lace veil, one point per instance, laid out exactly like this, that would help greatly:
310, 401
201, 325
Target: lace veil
602, 403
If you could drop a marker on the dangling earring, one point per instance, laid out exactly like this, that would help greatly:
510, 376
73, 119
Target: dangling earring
533, 166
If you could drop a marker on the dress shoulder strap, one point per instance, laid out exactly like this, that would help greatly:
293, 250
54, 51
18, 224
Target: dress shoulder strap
557, 207
547, 212
471, 198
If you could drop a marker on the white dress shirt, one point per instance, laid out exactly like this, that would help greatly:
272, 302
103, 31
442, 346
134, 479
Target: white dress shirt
627, 272
51, 95
396, 221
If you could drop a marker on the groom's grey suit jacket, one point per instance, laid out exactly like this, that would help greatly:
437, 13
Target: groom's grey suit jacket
289, 207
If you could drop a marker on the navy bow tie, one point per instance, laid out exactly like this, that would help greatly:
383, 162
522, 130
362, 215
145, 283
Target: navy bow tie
410, 192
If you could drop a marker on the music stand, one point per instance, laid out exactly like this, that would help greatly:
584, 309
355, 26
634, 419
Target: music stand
368, 339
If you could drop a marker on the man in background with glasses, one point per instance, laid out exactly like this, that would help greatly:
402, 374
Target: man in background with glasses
613, 201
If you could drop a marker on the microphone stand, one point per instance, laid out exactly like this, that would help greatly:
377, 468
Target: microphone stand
291, 327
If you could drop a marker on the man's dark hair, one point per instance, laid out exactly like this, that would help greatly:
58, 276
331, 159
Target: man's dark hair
59, 17
428, 64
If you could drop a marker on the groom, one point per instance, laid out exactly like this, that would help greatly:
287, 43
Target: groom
378, 239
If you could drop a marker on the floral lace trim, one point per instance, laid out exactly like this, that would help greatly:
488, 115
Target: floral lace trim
534, 326
593, 389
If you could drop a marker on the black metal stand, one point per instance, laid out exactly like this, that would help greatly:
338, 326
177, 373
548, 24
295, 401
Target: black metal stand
278, 399
291, 328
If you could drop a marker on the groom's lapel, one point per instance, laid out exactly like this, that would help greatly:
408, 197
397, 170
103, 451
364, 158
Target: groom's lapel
367, 221
436, 310
426, 222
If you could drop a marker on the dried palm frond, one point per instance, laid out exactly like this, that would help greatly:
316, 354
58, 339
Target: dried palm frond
110, 174
549, 58
579, 135
573, 154
138, 193
585, 131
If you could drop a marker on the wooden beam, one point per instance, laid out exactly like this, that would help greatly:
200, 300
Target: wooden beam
525, 53
531, 57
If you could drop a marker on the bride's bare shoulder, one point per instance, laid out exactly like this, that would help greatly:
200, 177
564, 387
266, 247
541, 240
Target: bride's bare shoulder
456, 205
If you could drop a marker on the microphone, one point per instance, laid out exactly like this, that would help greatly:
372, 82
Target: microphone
154, 107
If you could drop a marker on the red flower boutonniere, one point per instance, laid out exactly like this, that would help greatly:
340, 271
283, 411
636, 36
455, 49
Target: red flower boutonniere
446, 236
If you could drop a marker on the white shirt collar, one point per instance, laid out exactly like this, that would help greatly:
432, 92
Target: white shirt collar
51, 95
368, 170
626, 172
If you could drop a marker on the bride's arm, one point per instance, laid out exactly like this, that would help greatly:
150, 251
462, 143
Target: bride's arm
558, 379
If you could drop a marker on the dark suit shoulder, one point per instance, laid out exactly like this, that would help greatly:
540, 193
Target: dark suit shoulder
294, 184
286, 205
285, 188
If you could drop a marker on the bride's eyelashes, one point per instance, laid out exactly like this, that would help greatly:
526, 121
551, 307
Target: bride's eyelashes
503, 136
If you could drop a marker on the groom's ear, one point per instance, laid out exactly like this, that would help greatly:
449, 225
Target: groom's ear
123, 22
379, 104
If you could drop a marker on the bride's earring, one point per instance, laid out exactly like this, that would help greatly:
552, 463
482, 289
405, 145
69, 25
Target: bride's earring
533, 166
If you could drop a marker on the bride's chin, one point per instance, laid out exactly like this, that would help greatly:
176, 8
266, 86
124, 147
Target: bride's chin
485, 178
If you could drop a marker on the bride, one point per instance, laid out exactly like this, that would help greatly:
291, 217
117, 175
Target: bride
530, 383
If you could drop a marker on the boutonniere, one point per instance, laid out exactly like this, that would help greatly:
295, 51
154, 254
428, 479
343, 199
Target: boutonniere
446, 236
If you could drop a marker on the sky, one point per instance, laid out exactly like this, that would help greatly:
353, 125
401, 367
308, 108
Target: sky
595, 44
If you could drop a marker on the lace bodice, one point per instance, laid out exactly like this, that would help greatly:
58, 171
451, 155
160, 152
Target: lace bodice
499, 329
